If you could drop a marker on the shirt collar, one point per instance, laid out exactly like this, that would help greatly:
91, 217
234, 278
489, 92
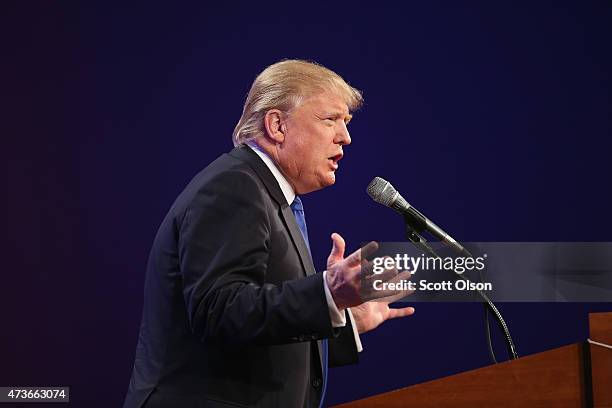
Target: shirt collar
284, 185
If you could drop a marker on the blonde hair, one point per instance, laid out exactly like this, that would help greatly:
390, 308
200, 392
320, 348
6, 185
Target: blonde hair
284, 86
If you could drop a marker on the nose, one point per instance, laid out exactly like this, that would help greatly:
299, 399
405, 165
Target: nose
343, 136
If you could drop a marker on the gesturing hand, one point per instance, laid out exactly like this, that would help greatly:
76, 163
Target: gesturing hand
372, 314
344, 274
345, 277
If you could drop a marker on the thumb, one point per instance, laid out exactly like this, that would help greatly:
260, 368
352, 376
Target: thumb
337, 252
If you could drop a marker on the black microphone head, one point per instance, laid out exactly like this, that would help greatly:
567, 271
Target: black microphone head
381, 191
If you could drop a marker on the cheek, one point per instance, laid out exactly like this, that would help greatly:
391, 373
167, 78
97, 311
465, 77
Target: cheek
314, 150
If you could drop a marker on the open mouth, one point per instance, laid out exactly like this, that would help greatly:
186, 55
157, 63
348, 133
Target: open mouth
334, 160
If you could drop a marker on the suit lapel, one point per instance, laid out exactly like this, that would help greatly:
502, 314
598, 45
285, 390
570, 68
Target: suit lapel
249, 156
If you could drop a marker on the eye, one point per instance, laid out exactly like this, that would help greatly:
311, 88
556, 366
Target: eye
330, 121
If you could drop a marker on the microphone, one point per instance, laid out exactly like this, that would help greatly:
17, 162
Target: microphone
381, 191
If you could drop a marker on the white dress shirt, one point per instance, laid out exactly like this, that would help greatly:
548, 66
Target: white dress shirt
337, 316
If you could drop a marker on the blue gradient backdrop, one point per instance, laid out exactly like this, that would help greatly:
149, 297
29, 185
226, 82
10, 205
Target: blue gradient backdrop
494, 120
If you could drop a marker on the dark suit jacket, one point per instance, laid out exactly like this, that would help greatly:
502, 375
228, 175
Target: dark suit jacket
233, 307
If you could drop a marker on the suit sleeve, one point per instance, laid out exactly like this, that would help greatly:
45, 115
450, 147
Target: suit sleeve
343, 349
224, 240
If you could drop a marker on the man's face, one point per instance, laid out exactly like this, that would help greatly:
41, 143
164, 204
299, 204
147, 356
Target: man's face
314, 135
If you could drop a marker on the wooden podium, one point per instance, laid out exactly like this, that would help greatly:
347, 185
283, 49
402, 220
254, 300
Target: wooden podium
579, 375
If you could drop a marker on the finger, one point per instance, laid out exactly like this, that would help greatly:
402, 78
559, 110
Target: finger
370, 294
362, 253
403, 312
385, 296
402, 293
375, 280
398, 296
401, 276
389, 274
382, 270
393, 276
369, 291
338, 245
367, 269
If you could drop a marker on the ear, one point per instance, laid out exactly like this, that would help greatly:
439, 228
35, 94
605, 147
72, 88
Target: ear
275, 129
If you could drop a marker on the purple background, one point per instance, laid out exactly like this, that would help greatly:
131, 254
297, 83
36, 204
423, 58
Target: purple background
493, 120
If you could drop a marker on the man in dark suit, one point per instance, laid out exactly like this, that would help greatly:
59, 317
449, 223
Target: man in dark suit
235, 313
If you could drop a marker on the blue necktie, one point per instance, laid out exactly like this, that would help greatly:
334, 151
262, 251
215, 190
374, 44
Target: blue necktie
298, 211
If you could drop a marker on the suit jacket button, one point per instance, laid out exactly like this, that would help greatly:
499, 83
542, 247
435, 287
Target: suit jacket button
316, 382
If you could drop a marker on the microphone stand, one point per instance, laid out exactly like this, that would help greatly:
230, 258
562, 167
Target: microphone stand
414, 235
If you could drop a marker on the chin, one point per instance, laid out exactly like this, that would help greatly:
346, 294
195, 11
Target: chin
321, 182
330, 180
